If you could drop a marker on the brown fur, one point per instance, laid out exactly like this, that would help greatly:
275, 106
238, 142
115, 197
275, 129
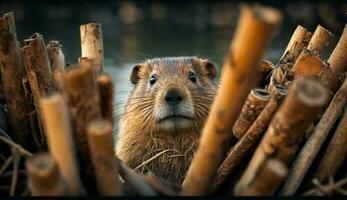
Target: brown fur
140, 139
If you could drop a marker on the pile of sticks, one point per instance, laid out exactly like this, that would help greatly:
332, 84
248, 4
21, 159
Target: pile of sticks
283, 126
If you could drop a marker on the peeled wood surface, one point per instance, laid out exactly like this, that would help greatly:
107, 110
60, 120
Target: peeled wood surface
44, 177
314, 142
305, 99
254, 31
308, 63
102, 151
59, 136
320, 39
13, 71
338, 58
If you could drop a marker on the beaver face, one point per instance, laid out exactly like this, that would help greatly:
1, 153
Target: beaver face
173, 92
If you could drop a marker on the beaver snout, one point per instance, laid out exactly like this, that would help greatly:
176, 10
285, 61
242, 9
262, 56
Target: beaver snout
173, 97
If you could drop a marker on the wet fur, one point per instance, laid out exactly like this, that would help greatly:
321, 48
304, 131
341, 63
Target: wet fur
140, 137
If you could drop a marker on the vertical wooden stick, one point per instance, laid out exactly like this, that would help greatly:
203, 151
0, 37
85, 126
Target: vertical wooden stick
255, 29
13, 72
305, 99
320, 39
92, 44
59, 135
57, 60
268, 178
335, 153
44, 177
255, 102
338, 58
106, 90
100, 140
315, 141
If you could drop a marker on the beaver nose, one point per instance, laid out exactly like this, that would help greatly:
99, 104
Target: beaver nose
173, 97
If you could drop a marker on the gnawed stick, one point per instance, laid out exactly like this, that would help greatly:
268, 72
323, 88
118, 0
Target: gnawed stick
102, 151
338, 58
305, 99
249, 141
59, 136
44, 177
308, 63
268, 178
255, 28
92, 44
12, 72
307, 154
320, 39
335, 153
82, 96
106, 90
57, 61
266, 68
255, 102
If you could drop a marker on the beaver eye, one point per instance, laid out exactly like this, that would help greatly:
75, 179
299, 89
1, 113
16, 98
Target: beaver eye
192, 77
153, 79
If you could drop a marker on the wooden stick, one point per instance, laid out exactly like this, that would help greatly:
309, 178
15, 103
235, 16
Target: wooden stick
101, 145
106, 89
61, 145
249, 141
57, 60
44, 176
255, 102
306, 97
82, 95
268, 178
266, 68
315, 141
255, 29
92, 44
320, 39
332, 80
308, 63
12, 71
338, 58
335, 153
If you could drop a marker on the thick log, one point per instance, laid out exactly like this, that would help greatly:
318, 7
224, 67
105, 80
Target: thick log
249, 141
335, 153
59, 136
315, 141
106, 90
268, 178
305, 99
57, 61
92, 44
82, 96
338, 58
101, 145
44, 178
255, 102
320, 39
255, 29
12, 74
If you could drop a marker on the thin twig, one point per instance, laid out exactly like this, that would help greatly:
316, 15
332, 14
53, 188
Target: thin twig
6, 164
16, 158
16, 146
327, 188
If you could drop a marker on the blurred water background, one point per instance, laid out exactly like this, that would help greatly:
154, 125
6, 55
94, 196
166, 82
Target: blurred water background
137, 30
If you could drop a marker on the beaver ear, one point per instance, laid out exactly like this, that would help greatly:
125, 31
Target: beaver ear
210, 68
134, 76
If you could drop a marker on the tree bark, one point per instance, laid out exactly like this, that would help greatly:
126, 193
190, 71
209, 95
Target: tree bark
255, 29
338, 58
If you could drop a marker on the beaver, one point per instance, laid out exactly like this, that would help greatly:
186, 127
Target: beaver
164, 115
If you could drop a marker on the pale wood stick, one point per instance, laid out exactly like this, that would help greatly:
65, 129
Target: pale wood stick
101, 142
335, 153
59, 136
320, 39
305, 99
249, 141
315, 141
338, 58
268, 178
255, 29
57, 60
106, 89
255, 102
92, 44
308, 63
82, 96
12, 72
44, 177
